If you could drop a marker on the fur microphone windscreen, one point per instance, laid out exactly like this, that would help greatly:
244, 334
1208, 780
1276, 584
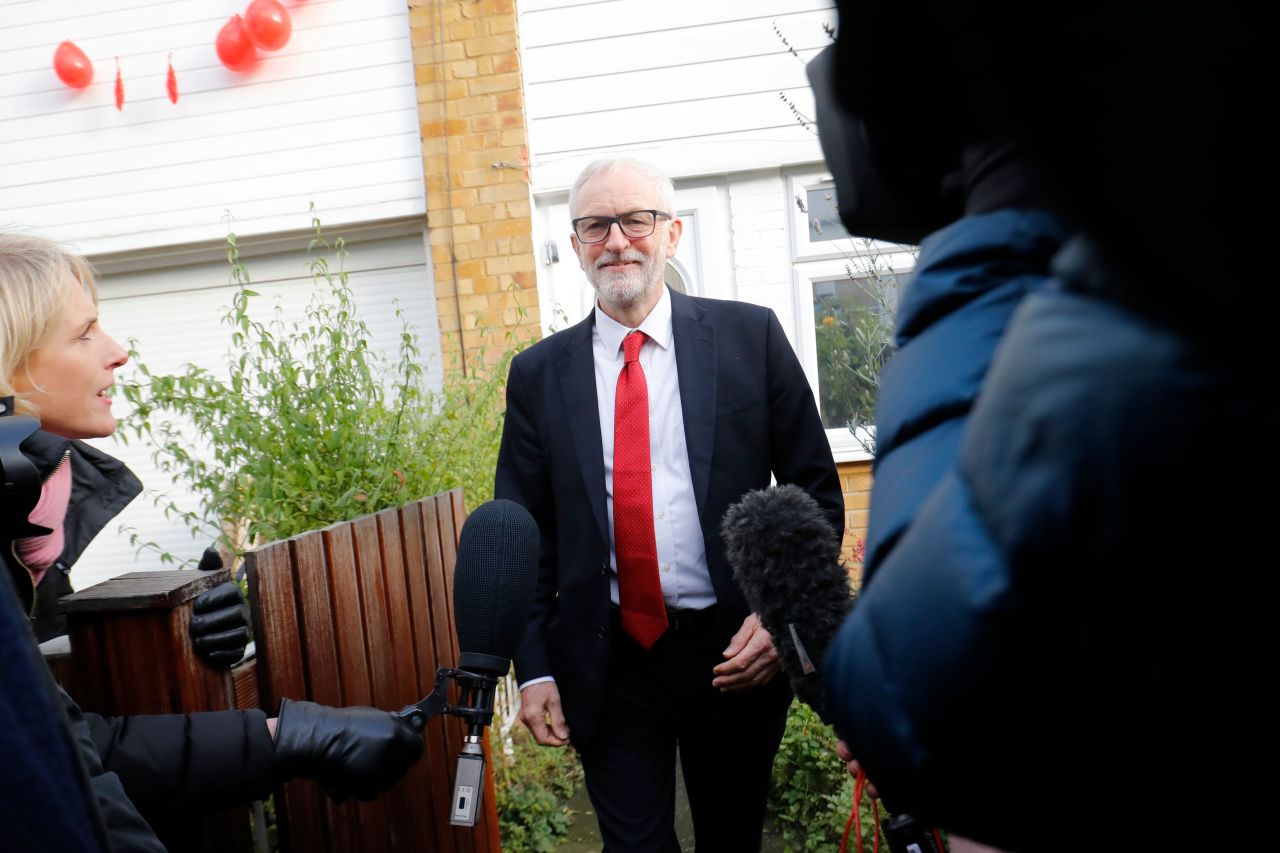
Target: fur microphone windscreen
785, 557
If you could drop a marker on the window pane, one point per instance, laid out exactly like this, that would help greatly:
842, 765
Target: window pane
853, 329
824, 220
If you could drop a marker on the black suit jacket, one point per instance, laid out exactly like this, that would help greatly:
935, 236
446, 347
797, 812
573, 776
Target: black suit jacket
748, 413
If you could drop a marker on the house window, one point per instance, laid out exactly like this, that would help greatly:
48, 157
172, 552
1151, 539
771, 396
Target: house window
853, 337
823, 220
846, 294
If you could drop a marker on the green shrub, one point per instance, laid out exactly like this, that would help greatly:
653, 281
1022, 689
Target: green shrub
532, 783
311, 426
811, 792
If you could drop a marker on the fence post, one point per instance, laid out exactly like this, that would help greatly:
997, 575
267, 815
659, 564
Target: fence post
131, 654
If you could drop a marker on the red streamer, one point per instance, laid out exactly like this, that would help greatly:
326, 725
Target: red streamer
171, 82
119, 86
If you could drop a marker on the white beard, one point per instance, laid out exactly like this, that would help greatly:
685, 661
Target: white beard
627, 285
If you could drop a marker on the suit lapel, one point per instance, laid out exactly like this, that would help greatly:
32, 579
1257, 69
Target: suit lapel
577, 376
695, 337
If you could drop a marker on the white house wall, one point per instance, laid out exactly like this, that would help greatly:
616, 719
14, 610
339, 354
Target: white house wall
330, 119
761, 246
693, 87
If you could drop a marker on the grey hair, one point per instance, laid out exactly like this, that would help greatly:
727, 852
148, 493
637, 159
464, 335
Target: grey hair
607, 165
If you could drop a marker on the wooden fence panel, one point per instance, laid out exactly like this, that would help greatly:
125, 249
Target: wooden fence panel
434, 649
369, 608
340, 828
274, 592
361, 613
409, 823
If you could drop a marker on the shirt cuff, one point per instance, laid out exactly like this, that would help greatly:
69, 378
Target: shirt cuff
533, 681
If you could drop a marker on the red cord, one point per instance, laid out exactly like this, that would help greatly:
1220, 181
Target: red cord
854, 820
844, 839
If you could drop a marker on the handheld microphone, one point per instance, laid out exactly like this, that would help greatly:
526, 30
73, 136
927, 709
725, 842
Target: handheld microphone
492, 589
493, 585
785, 558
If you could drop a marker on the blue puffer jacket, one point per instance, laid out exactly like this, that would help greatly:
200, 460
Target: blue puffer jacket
1062, 636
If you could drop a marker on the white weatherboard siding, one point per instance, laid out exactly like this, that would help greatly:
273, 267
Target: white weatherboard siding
330, 119
691, 86
175, 313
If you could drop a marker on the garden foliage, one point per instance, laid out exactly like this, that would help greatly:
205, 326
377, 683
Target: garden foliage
811, 792
533, 783
308, 425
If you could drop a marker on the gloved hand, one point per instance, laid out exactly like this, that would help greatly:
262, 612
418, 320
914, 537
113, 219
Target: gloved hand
220, 627
355, 751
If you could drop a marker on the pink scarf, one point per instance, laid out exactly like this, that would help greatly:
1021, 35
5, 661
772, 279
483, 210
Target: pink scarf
39, 552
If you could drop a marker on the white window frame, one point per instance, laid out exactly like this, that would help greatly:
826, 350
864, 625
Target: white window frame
809, 268
798, 186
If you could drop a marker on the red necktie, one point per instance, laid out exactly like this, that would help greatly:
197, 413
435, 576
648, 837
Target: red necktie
644, 615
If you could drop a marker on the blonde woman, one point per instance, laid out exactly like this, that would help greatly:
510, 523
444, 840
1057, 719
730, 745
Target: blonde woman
58, 364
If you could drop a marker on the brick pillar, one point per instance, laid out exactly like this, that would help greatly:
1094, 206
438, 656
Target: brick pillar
855, 483
466, 58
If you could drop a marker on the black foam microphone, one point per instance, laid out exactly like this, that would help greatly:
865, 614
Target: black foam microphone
493, 584
786, 560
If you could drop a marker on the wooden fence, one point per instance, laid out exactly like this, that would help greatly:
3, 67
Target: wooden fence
359, 613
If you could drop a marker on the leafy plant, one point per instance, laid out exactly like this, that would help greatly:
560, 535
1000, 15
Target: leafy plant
309, 425
532, 782
811, 792
853, 342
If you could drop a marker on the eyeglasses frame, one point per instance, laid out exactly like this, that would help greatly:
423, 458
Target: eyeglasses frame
617, 220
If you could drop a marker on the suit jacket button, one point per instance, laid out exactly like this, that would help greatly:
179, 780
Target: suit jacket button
604, 569
600, 632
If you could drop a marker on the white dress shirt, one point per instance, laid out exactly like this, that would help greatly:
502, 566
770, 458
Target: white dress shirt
682, 554
682, 557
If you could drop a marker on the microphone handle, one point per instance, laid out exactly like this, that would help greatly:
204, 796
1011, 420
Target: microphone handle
468, 786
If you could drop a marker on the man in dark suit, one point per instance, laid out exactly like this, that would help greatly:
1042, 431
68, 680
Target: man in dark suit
627, 436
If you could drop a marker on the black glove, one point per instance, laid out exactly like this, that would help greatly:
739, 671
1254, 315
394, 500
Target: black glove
356, 752
220, 627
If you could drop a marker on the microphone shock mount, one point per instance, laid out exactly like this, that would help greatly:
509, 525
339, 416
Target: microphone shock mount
475, 693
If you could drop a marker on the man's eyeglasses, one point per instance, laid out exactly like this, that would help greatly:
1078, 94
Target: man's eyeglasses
634, 225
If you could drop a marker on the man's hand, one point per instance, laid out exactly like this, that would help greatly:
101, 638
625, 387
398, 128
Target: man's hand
540, 711
842, 750
751, 660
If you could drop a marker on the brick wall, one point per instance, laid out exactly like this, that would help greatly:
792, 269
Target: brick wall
855, 483
475, 153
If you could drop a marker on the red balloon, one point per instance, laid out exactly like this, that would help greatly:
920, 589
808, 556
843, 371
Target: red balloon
268, 24
72, 66
234, 48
